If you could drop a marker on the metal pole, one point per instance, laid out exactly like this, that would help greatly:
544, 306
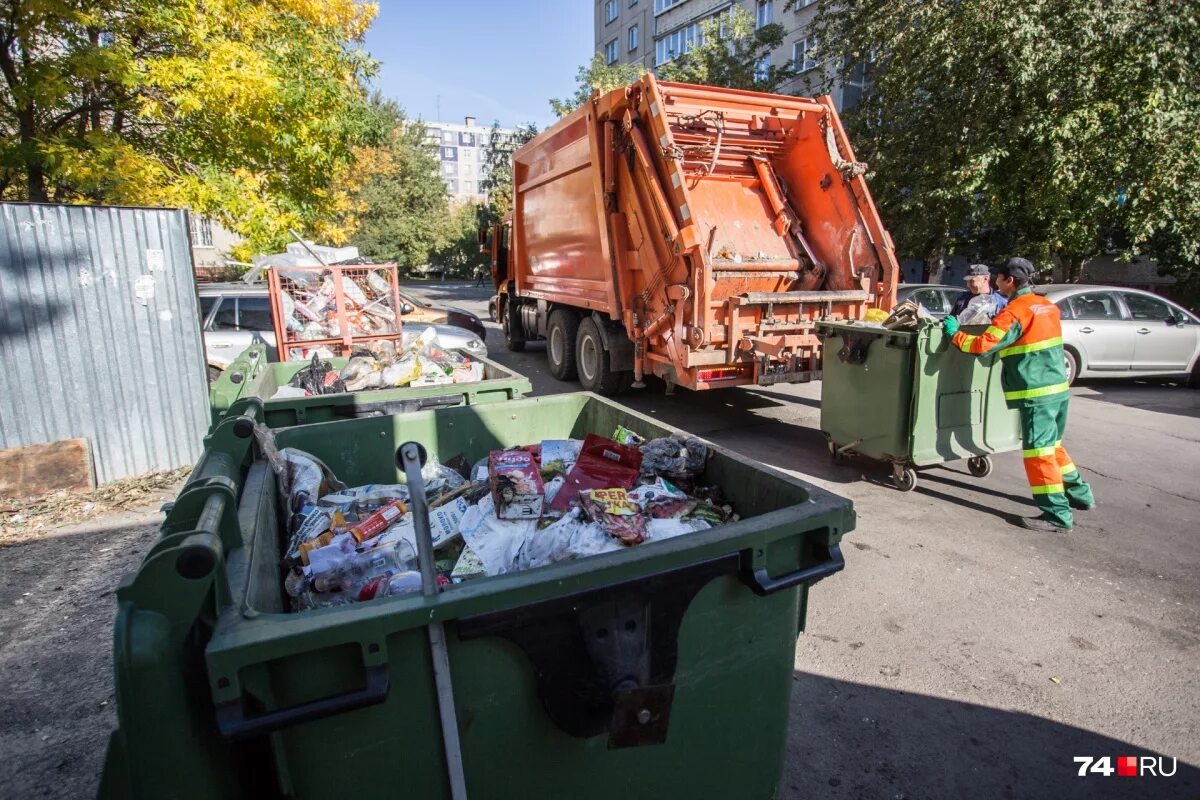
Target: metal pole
411, 459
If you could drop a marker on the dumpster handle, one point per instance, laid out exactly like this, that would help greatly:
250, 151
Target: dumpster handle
763, 584
233, 723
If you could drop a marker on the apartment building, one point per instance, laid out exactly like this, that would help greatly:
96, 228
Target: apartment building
462, 155
653, 32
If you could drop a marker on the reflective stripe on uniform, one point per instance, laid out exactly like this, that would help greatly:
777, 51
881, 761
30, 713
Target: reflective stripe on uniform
967, 341
994, 332
1052, 488
1036, 452
1067, 468
1019, 349
1044, 391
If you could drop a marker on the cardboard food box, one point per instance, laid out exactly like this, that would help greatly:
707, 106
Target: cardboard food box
516, 483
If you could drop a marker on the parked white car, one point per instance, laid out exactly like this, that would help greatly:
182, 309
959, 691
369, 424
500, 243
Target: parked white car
1110, 332
235, 315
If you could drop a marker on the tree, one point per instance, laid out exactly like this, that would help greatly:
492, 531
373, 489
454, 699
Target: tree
498, 172
1060, 129
399, 206
459, 255
597, 75
731, 53
245, 111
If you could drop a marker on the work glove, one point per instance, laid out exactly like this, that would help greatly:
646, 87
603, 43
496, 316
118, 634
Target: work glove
950, 325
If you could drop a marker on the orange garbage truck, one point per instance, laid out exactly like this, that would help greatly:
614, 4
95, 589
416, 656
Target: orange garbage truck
689, 232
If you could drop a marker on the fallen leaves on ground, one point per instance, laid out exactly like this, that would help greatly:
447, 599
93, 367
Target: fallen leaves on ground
22, 517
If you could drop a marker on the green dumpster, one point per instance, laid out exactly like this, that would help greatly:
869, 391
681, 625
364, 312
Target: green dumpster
659, 671
252, 377
912, 399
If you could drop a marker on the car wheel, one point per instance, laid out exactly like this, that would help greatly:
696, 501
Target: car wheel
514, 338
492, 309
1072, 364
1195, 379
560, 344
593, 362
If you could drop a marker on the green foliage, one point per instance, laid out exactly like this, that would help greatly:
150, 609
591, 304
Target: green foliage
460, 255
498, 173
729, 54
400, 204
244, 111
597, 76
1058, 129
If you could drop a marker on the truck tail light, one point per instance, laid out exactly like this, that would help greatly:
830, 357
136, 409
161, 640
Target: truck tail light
720, 374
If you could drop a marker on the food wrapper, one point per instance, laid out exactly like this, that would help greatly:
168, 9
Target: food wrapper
516, 484
558, 456
602, 464
612, 511
623, 435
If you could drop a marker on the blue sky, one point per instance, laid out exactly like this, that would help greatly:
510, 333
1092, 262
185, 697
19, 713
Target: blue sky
493, 60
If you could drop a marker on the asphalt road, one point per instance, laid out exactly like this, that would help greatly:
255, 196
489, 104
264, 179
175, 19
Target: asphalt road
956, 656
959, 655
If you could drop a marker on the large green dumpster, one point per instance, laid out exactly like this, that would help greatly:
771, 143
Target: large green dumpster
912, 399
659, 671
251, 377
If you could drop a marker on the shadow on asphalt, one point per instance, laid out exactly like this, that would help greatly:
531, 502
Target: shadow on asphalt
1160, 396
851, 740
977, 485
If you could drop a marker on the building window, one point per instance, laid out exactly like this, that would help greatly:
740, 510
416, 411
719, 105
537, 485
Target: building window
201, 231
610, 52
466, 139
766, 12
468, 187
804, 54
634, 36
610, 11
662, 5
632, 3
677, 43
805, 4
762, 70
449, 154
452, 186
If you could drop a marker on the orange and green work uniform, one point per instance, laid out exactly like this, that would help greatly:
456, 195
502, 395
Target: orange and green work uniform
1028, 334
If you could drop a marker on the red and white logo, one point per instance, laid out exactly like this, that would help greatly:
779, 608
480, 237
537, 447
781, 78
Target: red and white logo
1127, 766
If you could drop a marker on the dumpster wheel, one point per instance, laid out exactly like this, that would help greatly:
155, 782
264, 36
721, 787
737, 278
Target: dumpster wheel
904, 477
979, 466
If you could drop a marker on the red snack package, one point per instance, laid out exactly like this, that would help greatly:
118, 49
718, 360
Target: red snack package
602, 464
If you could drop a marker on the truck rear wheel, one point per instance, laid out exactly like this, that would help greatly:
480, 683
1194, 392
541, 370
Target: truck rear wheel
514, 336
561, 334
595, 373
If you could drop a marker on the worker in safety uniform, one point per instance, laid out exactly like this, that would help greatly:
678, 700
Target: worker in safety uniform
1028, 334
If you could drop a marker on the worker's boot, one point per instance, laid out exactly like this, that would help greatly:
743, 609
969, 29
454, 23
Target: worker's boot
1044, 523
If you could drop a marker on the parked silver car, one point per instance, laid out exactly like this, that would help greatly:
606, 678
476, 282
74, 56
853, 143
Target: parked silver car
935, 298
1113, 332
235, 315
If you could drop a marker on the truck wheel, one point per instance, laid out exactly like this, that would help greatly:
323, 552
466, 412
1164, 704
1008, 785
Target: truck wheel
593, 362
514, 337
560, 344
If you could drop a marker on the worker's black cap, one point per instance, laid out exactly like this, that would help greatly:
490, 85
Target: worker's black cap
1019, 268
978, 271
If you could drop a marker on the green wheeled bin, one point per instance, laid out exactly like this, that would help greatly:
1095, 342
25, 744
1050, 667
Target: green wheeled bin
250, 377
663, 670
912, 399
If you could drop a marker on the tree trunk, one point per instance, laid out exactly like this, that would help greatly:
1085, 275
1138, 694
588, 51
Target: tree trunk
933, 267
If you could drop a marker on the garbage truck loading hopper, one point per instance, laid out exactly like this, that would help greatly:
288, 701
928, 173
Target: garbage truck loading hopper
707, 229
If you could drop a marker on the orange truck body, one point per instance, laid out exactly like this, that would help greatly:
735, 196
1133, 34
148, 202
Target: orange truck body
704, 231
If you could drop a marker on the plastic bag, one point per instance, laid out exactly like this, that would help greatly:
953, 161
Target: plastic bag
496, 542
362, 372
401, 372
602, 464
317, 378
674, 457
303, 477
980, 310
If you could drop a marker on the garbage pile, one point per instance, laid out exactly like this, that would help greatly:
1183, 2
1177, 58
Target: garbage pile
515, 509
379, 365
308, 301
